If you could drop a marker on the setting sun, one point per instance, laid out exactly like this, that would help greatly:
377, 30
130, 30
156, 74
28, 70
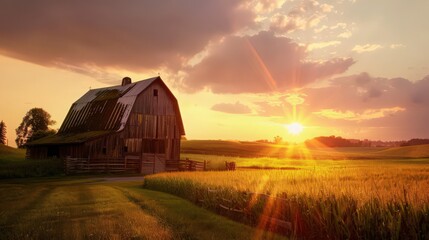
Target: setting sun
294, 128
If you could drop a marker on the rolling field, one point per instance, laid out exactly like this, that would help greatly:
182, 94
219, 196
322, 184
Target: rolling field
381, 194
269, 150
344, 193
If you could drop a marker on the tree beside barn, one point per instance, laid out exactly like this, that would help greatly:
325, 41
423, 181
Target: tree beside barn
35, 124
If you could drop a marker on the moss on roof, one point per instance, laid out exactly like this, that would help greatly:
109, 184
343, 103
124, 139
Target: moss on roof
68, 138
107, 94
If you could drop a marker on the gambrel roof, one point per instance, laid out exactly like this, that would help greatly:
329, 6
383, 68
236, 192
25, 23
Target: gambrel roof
105, 110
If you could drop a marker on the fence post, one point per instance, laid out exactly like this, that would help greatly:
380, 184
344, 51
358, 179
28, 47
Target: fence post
125, 164
205, 165
189, 164
65, 166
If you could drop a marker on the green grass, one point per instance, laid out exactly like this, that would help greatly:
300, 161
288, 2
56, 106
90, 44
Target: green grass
11, 154
14, 165
77, 208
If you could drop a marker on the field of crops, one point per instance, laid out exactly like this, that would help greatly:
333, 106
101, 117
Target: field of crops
369, 199
256, 149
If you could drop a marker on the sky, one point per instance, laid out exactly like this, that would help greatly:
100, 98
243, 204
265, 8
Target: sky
240, 69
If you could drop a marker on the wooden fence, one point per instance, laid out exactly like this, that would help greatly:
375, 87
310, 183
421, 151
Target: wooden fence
186, 165
239, 209
131, 164
85, 165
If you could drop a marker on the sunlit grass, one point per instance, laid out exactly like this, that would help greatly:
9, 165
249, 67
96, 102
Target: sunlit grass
79, 208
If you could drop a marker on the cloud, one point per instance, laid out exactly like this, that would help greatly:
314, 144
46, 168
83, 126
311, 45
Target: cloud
319, 45
258, 64
295, 98
355, 116
271, 109
366, 48
346, 34
133, 35
304, 15
264, 6
397, 107
397, 45
234, 108
387, 108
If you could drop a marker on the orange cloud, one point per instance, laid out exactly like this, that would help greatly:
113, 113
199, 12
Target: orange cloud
234, 108
258, 64
355, 116
366, 48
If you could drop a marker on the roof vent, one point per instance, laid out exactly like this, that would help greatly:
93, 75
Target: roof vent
126, 81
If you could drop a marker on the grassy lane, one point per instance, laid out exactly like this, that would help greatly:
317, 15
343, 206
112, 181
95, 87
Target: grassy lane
75, 211
88, 209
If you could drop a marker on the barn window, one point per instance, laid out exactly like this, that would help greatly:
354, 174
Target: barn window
104, 150
125, 149
155, 92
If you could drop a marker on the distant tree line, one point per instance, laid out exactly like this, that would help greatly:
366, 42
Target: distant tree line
333, 141
415, 141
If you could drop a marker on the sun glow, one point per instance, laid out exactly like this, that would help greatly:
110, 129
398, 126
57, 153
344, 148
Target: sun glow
294, 128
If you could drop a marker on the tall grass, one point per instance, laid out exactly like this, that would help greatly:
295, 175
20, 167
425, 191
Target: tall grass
376, 202
31, 168
14, 165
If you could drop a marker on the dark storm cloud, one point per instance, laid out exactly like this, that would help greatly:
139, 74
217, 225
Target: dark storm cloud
132, 34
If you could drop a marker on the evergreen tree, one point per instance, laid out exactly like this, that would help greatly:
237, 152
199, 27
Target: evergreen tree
2, 133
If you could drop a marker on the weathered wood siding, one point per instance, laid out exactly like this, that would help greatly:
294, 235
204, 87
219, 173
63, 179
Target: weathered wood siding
152, 130
107, 147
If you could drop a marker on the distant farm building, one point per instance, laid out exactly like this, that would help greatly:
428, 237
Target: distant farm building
136, 126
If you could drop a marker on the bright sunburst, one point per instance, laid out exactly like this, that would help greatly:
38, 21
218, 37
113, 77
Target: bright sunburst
294, 128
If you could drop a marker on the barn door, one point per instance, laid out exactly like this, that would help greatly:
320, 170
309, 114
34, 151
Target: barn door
159, 165
148, 163
153, 156
153, 163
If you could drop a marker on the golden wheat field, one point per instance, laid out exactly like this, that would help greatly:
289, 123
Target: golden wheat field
386, 183
350, 199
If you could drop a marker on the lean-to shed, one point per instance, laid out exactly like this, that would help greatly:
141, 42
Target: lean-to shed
139, 121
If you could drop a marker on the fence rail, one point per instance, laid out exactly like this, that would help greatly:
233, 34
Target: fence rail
132, 164
85, 165
185, 165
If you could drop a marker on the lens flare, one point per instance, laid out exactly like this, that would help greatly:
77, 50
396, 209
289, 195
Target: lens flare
295, 128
